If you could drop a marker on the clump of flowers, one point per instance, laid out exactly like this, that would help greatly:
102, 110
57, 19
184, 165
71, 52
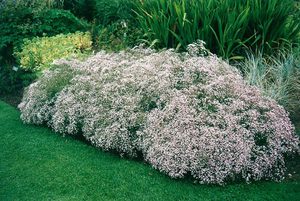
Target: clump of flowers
39, 97
186, 114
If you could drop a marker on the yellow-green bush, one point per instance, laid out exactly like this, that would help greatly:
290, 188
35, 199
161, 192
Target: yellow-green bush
38, 54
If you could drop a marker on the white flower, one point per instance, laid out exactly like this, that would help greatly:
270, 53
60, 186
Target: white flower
184, 113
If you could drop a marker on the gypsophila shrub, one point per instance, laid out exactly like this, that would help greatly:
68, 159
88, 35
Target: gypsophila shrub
186, 114
40, 95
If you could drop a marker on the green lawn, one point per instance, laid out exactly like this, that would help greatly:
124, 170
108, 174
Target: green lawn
37, 164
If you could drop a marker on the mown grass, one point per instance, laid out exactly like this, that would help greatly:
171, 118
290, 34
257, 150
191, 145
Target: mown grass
37, 164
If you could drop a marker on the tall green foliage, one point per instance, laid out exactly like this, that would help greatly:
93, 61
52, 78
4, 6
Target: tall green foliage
102, 11
81, 8
227, 26
277, 76
113, 10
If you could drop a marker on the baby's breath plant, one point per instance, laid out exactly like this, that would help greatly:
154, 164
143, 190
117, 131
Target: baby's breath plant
38, 110
186, 114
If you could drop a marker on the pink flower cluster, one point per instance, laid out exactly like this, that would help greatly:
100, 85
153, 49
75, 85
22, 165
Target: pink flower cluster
186, 114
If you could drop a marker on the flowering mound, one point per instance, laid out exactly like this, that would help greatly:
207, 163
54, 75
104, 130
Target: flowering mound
186, 114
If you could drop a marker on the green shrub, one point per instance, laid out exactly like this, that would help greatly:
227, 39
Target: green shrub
107, 12
19, 24
227, 26
25, 19
117, 36
13, 80
81, 8
38, 53
103, 11
57, 21
36, 4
